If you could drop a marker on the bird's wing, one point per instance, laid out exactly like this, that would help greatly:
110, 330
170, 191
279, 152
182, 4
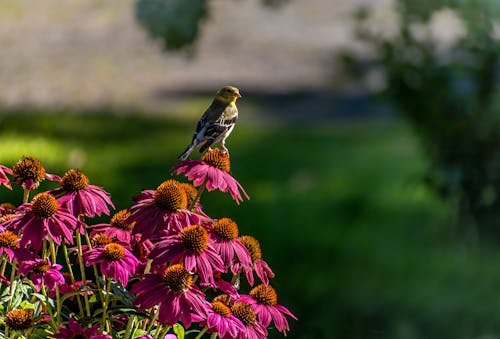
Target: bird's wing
225, 120
212, 114
222, 124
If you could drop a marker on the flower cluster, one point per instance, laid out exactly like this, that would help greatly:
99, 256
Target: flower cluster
158, 268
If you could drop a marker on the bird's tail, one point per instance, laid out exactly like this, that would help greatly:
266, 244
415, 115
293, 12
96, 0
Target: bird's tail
186, 152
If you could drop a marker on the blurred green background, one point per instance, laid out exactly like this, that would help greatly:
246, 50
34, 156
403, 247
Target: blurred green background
371, 161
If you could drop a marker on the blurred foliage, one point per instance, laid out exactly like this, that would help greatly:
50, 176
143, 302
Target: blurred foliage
445, 83
177, 22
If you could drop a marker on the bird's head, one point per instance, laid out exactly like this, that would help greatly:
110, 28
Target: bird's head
228, 94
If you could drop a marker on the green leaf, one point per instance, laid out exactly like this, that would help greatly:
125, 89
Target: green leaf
27, 305
38, 333
138, 332
179, 331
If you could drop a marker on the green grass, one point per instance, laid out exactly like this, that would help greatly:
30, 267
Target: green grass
360, 247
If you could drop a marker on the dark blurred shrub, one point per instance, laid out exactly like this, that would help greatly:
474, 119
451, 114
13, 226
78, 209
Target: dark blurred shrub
439, 67
178, 22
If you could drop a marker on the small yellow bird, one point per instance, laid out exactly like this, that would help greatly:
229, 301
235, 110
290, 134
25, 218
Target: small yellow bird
216, 123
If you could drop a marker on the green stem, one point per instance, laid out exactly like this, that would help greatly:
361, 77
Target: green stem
26, 196
128, 329
198, 195
152, 320
44, 248
214, 335
4, 265
72, 277
49, 309
235, 281
94, 267
81, 218
202, 332
53, 253
148, 266
11, 293
105, 301
163, 332
82, 271
11, 287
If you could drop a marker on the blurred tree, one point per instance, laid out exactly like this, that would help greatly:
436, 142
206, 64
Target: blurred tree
177, 22
441, 68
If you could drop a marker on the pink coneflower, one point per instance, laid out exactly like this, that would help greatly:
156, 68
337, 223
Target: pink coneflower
264, 301
29, 172
213, 169
224, 286
253, 328
71, 287
43, 218
116, 262
191, 247
261, 268
162, 209
80, 197
42, 272
220, 320
149, 336
141, 248
118, 228
225, 240
9, 243
4, 179
74, 330
175, 293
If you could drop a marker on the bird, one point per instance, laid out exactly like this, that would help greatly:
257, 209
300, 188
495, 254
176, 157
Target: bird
216, 123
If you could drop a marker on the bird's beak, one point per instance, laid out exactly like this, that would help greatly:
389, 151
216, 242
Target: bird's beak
237, 95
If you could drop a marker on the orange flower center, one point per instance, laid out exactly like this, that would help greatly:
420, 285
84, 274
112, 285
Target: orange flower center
41, 267
218, 159
139, 251
191, 192
8, 207
19, 319
221, 308
101, 239
265, 295
74, 180
194, 238
44, 205
8, 239
177, 278
225, 228
29, 168
223, 298
114, 251
244, 312
119, 220
252, 246
170, 196
79, 335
